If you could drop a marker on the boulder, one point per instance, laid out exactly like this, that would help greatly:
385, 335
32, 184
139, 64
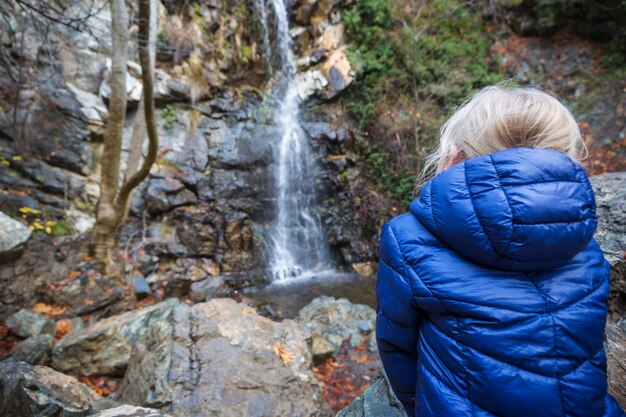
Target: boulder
333, 321
39, 391
610, 190
105, 347
338, 71
130, 411
222, 359
34, 350
26, 323
13, 237
376, 401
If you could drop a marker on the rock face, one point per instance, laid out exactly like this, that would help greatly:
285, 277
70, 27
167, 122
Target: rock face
14, 236
332, 321
221, 359
105, 348
378, 400
38, 391
610, 190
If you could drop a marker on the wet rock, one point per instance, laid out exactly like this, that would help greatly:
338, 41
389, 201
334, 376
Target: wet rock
221, 359
38, 391
13, 237
26, 323
34, 350
610, 190
376, 401
333, 321
105, 347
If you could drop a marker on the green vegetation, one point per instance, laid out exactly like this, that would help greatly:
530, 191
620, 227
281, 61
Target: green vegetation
169, 115
420, 62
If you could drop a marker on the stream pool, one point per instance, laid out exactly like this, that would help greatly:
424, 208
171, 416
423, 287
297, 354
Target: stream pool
287, 297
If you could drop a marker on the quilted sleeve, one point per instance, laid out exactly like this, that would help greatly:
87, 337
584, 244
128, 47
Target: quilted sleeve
397, 321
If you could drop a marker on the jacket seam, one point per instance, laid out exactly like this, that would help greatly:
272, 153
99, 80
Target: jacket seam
517, 366
399, 323
480, 223
405, 265
555, 361
541, 182
556, 222
561, 307
463, 347
508, 202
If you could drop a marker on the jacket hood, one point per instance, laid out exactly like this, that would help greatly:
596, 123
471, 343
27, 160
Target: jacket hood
518, 209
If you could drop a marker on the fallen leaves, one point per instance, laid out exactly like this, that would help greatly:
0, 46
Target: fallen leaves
102, 385
7, 341
49, 310
347, 374
62, 328
283, 354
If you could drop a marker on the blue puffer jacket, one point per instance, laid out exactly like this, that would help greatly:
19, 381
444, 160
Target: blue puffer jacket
492, 294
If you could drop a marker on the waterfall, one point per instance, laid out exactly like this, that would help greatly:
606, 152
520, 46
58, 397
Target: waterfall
261, 8
297, 244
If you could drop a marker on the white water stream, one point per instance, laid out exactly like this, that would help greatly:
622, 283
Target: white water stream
297, 243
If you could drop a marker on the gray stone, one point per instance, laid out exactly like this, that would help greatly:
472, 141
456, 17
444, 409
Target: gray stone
209, 288
35, 350
610, 191
332, 321
221, 359
130, 411
13, 237
615, 346
38, 391
105, 347
26, 323
376, 401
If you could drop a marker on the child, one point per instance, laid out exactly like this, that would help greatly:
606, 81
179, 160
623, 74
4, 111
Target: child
492, 293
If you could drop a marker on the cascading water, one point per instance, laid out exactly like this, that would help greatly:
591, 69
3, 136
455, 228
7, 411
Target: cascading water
297, 242
261, 8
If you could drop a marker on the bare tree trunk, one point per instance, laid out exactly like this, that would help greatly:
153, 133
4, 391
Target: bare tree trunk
106, 230
147, 75
139, 125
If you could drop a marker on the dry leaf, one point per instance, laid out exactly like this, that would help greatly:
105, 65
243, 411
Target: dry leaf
283, 353
48, 310
63, 327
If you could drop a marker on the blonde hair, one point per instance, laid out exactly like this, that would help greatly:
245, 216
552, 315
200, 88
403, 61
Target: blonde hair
503, 117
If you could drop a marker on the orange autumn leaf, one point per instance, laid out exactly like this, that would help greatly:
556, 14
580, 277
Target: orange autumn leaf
283, 354
48, 310
62, 327
74, 274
